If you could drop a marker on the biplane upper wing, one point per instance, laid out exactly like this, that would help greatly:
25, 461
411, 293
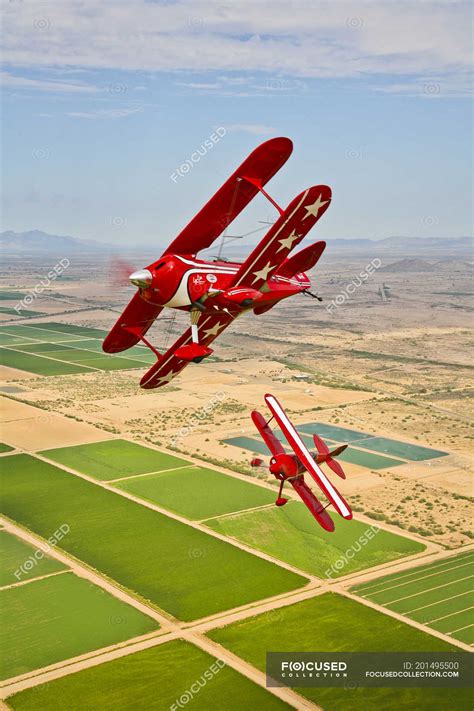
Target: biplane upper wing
306, 459
232, 197
168, 365
138, 316
290, 228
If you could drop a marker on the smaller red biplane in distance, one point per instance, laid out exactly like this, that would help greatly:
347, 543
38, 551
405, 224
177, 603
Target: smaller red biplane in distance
216, 292
290, 467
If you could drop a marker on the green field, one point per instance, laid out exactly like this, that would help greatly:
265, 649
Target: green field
11, 295
198, 493
291, 534
56, 349
253, 445
22, 313
362, 440
5, 448
351, 454
331, 622
438, 594
48, 620
412, 452
30, 333
15, 553
178, 568
113, 459
152, 679
36, 364
76, 330
339, 434
365, 450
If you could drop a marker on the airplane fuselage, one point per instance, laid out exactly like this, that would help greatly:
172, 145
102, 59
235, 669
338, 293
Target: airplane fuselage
184, 282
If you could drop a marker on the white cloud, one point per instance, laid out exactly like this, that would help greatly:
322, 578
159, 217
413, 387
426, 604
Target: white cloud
256, 129
10, 80
409, 38
104, 113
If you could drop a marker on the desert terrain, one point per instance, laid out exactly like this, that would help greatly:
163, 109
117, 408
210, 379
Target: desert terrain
390, 357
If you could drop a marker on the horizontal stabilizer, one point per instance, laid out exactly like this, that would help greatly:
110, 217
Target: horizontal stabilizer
303, 261
324, 455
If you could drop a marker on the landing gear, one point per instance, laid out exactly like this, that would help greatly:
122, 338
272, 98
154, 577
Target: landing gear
281, 500
194, 352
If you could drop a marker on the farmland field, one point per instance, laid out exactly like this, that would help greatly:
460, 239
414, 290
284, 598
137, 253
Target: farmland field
371, 460
57, 349
289, 534
151, 679
439, 594
197, 492
113, 459
331, 622
5, 448
62, 616
14, 553
23, 312
37, 364
178, 568
365, 450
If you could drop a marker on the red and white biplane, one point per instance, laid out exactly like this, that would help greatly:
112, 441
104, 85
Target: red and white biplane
216, 292
290, 467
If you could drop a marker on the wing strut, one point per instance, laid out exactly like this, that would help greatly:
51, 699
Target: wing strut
258, 184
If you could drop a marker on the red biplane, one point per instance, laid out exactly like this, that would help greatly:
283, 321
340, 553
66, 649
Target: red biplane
290, 467
216, 292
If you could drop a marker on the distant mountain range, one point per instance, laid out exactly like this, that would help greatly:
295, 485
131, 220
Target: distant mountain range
36, 242
421, 265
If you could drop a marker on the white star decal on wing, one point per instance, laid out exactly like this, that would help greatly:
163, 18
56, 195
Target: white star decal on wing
263, 273
166, 378
287, 243
315, 207
214, 330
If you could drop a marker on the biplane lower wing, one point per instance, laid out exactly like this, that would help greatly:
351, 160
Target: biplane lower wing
235, 194
282, 237
132, 325
315, 506
168, 365
306, 459
268, 436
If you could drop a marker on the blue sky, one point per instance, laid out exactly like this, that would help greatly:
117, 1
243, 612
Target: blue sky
104, 101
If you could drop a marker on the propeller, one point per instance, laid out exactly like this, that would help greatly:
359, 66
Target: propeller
120, 271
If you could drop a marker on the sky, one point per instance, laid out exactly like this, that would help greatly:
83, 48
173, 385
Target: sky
104, 102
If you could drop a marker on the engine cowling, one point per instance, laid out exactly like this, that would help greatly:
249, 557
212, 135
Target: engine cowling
283, 466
